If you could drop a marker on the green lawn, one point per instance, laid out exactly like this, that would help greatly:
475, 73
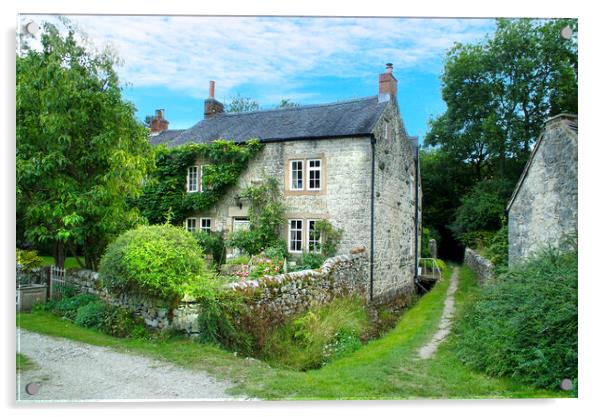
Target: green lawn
70, 262
387, 368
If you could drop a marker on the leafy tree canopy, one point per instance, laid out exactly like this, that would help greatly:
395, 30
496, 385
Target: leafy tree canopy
80, 152
500, 91
240, 104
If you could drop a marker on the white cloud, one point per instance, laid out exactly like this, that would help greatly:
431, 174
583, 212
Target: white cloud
184, 53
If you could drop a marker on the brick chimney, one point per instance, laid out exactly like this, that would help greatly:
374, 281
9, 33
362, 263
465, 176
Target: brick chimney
212, 106
158, 123
387, 85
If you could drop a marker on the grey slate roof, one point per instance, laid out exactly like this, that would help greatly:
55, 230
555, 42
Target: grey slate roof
165, 136
346, 118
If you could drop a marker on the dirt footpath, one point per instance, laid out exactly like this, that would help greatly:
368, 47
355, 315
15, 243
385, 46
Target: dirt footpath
73, 371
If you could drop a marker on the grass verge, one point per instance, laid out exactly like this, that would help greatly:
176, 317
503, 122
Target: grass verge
24, 363
386, 368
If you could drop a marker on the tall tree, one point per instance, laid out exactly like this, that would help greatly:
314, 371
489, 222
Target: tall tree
500, 91
81, 154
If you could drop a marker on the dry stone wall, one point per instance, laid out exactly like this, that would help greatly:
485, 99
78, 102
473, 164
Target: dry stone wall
482, 267
279, 297
286, 295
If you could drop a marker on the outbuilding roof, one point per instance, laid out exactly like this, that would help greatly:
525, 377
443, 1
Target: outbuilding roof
345, 118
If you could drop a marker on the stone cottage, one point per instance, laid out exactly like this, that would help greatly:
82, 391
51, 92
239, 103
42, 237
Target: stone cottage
350, 162
542, 211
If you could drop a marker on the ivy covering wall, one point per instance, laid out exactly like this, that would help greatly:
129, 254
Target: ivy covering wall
165, 197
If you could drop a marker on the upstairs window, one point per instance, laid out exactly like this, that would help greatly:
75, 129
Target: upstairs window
314, 170
297, 175
313, 237
295, 235
192, 179
206, 224
191, 224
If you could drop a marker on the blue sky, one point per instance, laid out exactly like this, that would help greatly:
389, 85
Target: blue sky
167, 62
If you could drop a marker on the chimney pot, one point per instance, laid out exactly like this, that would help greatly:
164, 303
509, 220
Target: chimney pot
211, 89
387, 84
158, 123
212, 106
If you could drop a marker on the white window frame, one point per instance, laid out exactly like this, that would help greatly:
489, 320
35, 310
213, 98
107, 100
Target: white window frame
309, 170
309, 240
205, 228
302, 174
188, 177
188, 224
201, 177
298, 230
240, 224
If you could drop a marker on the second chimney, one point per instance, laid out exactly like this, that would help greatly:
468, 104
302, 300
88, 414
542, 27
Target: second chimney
158, 123
387, 85
212, 106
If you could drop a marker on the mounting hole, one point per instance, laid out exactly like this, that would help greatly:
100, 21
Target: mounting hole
32, 388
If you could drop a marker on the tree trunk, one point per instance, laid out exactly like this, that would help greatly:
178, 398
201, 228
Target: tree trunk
59, 254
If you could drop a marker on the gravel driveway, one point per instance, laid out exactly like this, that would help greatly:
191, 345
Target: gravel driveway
73, 371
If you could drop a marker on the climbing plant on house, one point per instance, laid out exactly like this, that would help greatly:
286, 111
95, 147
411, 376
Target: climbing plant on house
266, 217
165, 197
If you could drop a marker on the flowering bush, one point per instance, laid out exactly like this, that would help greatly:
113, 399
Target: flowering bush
262, 266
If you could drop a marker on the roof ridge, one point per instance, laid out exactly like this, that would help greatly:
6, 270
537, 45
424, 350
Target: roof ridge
300, 107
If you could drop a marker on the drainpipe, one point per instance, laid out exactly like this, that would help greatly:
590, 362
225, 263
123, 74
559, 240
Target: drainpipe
416, 277
372, 143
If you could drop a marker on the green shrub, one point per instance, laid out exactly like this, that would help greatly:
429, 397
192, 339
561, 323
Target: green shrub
213, 244
309, 260
316, 337
239, 260
525, 323
277, 251
497, 249
29, 259
330, 237
68, 306
91, 315
482, 208
477, 240
441, 264
120, 322
217, 311
158, 261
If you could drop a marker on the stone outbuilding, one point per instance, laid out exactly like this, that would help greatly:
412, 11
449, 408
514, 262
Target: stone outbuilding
542, 211
349, 162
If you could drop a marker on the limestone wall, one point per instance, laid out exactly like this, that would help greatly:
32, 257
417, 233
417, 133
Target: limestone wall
395, 205
273, 298
543, 211
344, 198
284, 296
482, 267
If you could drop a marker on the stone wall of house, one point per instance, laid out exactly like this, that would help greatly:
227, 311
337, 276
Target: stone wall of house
482, 267
543, 211
395, 205
344, 198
